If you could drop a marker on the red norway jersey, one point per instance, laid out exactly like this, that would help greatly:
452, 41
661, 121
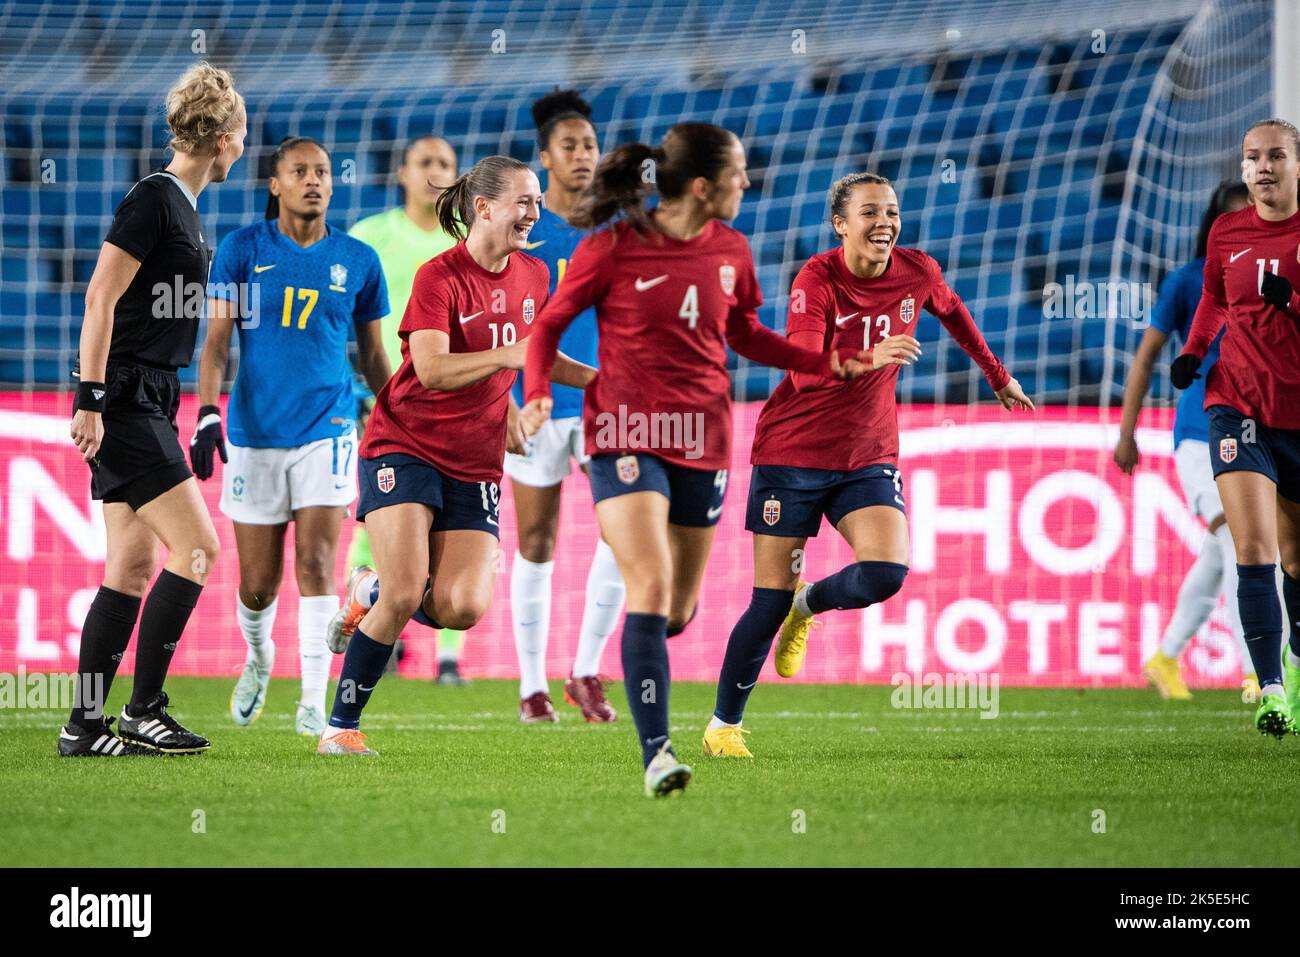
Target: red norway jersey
462, 433
1258, 372
824, 425
666, 309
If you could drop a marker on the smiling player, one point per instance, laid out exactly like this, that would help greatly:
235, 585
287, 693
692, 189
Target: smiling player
431, 459
866, 293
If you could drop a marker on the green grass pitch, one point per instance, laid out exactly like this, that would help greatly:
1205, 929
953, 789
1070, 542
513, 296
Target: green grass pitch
461, 782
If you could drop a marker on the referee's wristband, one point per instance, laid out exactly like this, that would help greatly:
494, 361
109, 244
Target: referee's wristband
92, 396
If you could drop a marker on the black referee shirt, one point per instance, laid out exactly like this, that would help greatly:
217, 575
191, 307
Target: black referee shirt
156, 321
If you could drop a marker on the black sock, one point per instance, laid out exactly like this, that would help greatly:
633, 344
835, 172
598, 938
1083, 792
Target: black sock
104, 638
1261, 620
747, 649
166, 610
423, 617
363, 666
1291, 598
856, 586
645, 678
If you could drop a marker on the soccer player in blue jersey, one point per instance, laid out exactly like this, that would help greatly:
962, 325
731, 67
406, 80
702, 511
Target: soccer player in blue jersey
1214, 572
297, 287
569, 153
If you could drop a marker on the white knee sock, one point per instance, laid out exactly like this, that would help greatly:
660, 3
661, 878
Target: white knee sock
256, 627
605, 595
314, 616
1229, 591
530, 612
1198, 596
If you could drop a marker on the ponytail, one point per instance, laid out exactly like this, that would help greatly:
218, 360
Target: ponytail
623, 180
455, 206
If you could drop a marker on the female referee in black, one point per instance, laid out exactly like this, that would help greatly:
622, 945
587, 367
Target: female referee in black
143, 305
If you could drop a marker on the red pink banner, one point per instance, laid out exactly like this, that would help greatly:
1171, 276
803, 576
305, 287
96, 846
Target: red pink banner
1032, 557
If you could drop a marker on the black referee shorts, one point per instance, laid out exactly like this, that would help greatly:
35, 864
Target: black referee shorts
141, 455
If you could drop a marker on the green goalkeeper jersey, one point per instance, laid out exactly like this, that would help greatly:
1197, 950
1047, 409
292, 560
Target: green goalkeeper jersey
403, 247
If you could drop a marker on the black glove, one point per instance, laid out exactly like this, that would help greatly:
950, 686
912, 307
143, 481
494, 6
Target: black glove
207, 436
1276, 291
1183, 370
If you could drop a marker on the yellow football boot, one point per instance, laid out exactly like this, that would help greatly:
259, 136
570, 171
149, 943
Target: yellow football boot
792, 646
1162, 671
727, 741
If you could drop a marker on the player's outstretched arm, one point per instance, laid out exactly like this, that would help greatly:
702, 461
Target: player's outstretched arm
1135, 392
437, 367
568, 371
751, 339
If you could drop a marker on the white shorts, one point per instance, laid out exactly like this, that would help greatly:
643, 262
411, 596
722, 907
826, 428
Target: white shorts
1196, 475
549, 451
266, 486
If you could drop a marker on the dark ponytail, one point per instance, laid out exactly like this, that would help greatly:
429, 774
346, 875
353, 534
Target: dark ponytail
1228, 191
629, 174
273, 168
622, 181
455, 206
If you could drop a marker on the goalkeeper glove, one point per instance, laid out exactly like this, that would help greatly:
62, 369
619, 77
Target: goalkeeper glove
1278, 293
1184, 370
207, 436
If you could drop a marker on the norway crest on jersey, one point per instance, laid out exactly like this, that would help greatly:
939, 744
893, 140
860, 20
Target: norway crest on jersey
727, 277
907, 311
772, 511
530, 310
629, 470
1227, 449
385, 479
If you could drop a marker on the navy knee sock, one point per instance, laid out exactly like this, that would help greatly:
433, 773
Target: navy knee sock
856, 586
1261, 620
645, 678
1291, 598
363, 666
747, 648
423, 617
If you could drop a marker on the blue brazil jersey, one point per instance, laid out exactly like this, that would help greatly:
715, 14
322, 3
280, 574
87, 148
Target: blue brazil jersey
294, 384
1174, 311
552, 240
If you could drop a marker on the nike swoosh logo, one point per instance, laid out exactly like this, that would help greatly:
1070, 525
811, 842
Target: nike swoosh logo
840, 320
364, 688
643, 284
715, 512
264, 268
1235, 256
245, 714
339, 488
534, 245
748, 686
465, 319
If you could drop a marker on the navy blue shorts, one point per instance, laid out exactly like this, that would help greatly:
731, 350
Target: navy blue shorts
1271, 452
789, 502
694, 496
394, 479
